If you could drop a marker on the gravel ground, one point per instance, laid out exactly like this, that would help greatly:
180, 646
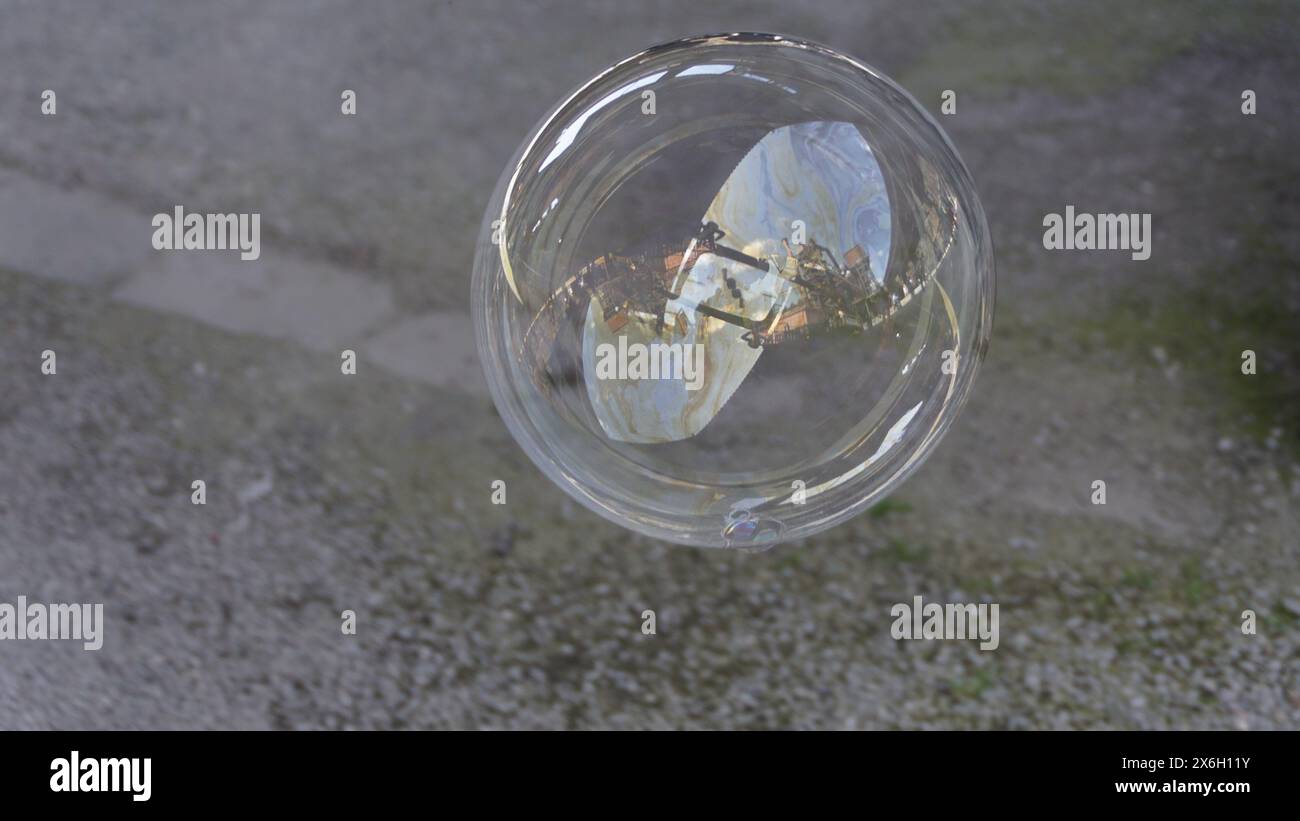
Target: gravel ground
371, 492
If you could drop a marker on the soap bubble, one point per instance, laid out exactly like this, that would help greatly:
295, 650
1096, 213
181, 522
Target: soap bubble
733, 290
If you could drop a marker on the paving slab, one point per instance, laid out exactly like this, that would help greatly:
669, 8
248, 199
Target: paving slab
75, 236
437, 348
312, 303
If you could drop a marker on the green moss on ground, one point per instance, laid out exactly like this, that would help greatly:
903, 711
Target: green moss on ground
1204, 330
1073, 48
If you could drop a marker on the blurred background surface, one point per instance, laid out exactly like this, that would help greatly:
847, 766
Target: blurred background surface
372, 492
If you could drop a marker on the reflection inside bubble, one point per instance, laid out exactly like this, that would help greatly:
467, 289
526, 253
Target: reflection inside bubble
694, 310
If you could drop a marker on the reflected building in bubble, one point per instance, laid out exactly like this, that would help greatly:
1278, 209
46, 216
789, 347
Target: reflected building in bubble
739, 285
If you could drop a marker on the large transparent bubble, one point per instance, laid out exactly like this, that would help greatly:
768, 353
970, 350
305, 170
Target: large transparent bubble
733, 290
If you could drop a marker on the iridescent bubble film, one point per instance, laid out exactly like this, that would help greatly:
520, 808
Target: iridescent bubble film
733, 290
